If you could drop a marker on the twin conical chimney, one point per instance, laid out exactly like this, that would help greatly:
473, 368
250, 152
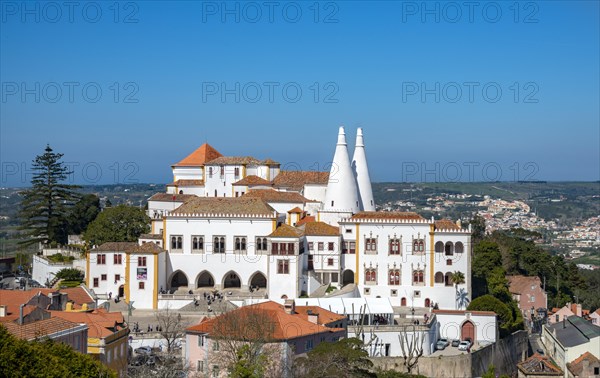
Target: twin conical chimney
342, 193
361, 172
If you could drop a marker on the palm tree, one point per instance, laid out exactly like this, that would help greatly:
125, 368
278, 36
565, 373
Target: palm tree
458, 278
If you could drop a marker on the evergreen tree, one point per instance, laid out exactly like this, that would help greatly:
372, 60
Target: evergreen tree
45, 206
120, 223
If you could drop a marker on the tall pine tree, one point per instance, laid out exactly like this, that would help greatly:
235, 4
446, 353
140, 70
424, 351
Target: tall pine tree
45, 206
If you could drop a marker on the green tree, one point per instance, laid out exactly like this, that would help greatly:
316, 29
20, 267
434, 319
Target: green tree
498, 284
20, 358
477, 228
486, 257
70, 274
117, 224
45, 206
83, 213
343, 358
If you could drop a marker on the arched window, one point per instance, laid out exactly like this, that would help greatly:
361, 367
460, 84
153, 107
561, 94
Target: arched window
370, 276
394, 248
418, 277
418, 246
439, 247
449, 248
459, 247
173, 242
448, 279
195, 243
179, 242
439, 277
394, 277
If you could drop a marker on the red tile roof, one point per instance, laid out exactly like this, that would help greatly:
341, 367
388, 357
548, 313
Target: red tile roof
253, 180
234, 160
306, 219
325, 316
166, 197
184, 183
520, 284
13, 299
319, 229
270, 195
199, 157
40, 328
295, 210
100, 322
387, 215
446, 224
225, 205
539, 365
297, 179
576, 366
286, 231
272, 324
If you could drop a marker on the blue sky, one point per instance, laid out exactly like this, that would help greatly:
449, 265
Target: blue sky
443, 92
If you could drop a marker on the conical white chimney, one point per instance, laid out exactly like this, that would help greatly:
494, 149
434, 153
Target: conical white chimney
361, 172
342, 194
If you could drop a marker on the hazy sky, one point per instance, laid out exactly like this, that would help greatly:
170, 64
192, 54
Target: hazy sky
444, 91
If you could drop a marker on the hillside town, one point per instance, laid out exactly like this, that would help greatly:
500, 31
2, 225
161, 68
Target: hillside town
241, 254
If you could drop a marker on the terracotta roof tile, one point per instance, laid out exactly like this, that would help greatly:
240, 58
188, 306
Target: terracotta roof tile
166, 197
270, 195
446, 224
325, 316
297, 179
145, 248
225, 205
279, 326
13, 299
114, 247
100, 322
199, 157
520, 284
306, 219
40, 328
576, 366
151, 236
387, 215
286, 231
539, 365
185, 183
253, 180
295, 210
234, 160
319, 229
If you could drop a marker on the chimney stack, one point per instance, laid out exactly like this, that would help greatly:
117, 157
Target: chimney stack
21, 314
361, 174
341, 194
2, 311
289, 306
313, 317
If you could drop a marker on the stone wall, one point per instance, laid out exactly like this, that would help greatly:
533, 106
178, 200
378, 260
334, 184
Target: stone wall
504, 355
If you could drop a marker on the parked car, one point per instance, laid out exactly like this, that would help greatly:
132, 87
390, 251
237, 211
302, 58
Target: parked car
455, 342
464, 345
440, 345
143, 350
444, 340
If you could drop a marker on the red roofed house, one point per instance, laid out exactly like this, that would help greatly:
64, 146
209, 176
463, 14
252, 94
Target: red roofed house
282, 330
538, 366
585, 366
528, 293
595, 317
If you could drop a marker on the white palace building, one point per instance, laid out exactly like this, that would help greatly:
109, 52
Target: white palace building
243, 226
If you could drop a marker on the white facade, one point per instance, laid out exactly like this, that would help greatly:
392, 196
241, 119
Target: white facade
213, 239
394, 257
454, 325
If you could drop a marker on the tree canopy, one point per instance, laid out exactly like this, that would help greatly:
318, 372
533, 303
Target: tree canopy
120, 223
83, 213
45, 206
343, 358
20, 358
